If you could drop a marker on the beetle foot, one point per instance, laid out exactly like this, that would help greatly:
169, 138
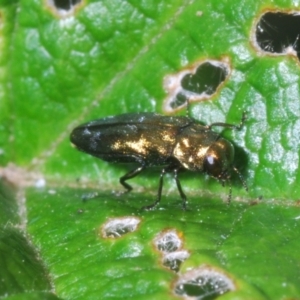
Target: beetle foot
150, 207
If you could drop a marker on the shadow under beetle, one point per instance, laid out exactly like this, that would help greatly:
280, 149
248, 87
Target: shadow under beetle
174, 142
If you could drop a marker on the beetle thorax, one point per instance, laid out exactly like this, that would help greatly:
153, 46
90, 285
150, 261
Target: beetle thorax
190, 154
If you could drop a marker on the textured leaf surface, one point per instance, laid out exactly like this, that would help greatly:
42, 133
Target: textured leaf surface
109, 57
21, 269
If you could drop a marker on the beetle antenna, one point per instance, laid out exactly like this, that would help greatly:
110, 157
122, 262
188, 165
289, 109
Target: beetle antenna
242, 122
230, 192
227, 180
241, 178
231, 126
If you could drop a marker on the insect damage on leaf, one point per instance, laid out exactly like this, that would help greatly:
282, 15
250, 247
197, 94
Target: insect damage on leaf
195, 83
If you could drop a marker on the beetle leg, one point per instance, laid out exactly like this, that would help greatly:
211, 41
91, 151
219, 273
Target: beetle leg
241, 178
154, 204
182, 194
230, 193
130, 175
231, 126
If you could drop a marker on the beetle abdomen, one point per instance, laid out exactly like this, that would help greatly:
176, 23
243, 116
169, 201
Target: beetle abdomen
143, 137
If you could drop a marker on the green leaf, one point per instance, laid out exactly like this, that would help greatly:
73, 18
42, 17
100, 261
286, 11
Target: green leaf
33, 296
61, 68
21, 269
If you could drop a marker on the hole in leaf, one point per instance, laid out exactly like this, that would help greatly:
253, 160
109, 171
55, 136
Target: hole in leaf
203, 283
64, 7
197, 83
168, 241
278, 32
115, 228
205, 80
179, 100
65, 4
174, 260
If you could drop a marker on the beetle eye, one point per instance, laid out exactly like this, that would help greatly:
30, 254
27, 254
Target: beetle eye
218, 159
212, 165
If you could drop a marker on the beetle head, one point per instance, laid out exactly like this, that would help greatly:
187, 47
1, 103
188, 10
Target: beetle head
218, 160
218, 163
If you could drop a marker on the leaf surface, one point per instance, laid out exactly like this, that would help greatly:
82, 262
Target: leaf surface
60, 69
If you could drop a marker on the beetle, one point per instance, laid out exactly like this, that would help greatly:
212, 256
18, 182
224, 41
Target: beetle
175, 143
